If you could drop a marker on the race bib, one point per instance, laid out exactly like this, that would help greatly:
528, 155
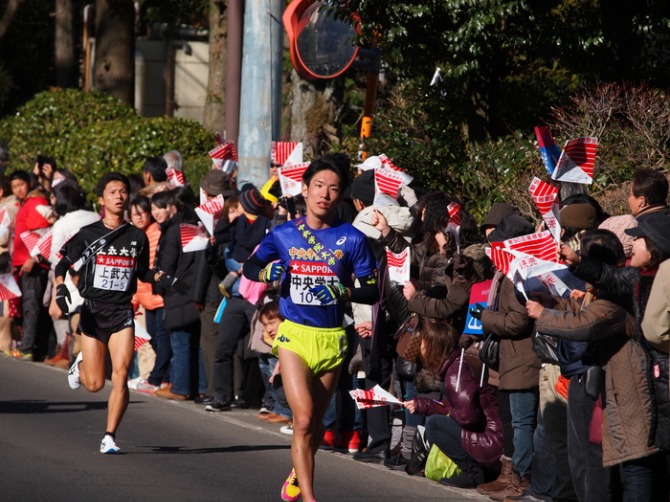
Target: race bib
306, 275
113, 273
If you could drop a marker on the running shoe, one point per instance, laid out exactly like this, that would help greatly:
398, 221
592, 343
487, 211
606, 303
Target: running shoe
286, 429
290, 491
73, 374
108, 445
132, 383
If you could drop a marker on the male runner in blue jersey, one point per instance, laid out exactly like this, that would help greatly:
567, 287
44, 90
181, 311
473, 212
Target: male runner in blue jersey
316, 258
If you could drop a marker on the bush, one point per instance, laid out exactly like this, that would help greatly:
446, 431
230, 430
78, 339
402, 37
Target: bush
92, 133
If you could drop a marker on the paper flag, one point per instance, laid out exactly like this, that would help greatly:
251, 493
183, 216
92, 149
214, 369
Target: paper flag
372, 162
500, 257
454, 224
193, 237
31, 239
386, 162
210, 212
44, 244
286, 153
175, 178
548, 148
479, 294
47, 212
372, 398
224, 156
8, 287
398, 266
545, 197
290, 178
577, 161
540, 245
142, 336
387, 184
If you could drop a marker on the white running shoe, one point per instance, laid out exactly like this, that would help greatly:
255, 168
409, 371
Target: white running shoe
286, 429
108, 445
73, 374
132, 383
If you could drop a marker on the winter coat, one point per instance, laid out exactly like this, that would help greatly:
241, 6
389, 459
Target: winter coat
519, 366
628, 412
28, 217
473, 408
180, 308
641, 284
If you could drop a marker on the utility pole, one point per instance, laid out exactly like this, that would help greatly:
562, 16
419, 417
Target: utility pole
260, 100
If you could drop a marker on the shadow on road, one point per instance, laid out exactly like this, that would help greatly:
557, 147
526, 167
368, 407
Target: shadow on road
180, 450
41, 406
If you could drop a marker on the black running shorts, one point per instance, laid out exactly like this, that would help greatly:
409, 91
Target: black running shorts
100, 320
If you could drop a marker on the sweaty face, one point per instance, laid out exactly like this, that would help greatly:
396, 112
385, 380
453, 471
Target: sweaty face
114, 197
322, 194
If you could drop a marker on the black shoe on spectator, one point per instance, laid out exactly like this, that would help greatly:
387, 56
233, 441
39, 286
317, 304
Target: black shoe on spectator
371, 457
218, 405
203, 399
240, 404
396, 463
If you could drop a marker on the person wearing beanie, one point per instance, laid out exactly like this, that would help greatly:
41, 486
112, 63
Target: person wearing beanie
216, 182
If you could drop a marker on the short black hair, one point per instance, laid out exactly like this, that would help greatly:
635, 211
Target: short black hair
5, 185
650, 184
141, 201
22, 175
156, 166
324, 164
107, 178
603, 245
269, 310
163, 199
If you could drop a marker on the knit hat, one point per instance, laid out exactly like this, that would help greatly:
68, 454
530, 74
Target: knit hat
216, 182
656, 226
511, 226
363, 187
252, 201
497, 212
579, 216
618, 225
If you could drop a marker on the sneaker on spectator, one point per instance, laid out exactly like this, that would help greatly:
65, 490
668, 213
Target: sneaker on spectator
286, 429
290, 491
145, 387
329, 441
350, 441
108, 445
132, 383
73, 374
23, 356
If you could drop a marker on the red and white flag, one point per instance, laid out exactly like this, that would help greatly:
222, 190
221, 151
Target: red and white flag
545, 197
500, 257
8, 287
398, 266
193, 237
290, 178
454, 224
387, 184
386, 162
142, 336
4, 218
372, 398
33, 238
577, 161
286, 152
210, 212
175, 178
224, 156
540, 245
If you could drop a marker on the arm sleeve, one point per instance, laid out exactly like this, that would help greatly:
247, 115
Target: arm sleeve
597, 322
614, 279
367, 293
62, 267
144, 273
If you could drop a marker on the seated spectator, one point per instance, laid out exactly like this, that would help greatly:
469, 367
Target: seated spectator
464, 424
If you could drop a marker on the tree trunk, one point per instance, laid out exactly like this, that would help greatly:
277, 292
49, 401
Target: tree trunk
312, 111
214, 115
113, 71
66, 67
8, 15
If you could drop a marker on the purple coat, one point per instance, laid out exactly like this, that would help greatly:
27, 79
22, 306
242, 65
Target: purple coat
472, 407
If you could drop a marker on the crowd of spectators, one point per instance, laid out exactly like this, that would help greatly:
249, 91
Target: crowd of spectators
589, 423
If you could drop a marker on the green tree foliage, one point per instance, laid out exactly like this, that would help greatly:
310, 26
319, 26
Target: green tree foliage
91, 133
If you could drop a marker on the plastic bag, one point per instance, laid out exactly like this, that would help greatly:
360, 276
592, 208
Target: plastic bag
439, 466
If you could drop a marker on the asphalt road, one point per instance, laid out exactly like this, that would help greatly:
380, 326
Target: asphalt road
50, 434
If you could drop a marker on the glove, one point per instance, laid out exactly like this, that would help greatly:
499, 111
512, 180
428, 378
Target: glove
476, 311
408, 194
328, 293
466, 340
63, 298
271, 273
